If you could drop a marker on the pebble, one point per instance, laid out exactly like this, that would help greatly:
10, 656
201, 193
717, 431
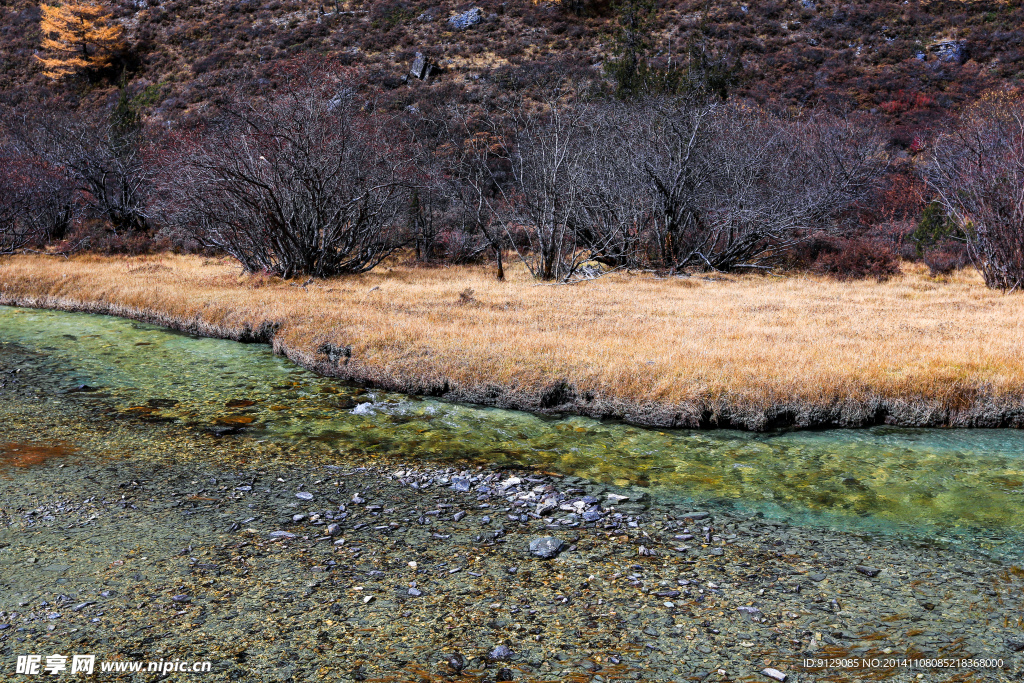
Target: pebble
546, 547
870, 572
456, 662
500, 653
304, 495
281, 534
774, 673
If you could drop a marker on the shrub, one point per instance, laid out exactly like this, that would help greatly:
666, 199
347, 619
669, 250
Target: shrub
854, 259
303, 185
943, 261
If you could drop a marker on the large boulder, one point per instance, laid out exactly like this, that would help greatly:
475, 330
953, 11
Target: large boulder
470, 17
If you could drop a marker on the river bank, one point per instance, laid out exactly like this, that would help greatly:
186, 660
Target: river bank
134, 539
747, 352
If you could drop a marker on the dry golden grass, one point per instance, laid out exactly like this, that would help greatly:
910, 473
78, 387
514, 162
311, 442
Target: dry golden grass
678, 346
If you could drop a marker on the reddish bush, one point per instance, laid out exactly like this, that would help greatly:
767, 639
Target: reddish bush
97, 237
946, 259
854, 259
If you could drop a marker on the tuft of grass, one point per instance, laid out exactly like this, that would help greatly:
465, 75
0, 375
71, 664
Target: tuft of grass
745, 343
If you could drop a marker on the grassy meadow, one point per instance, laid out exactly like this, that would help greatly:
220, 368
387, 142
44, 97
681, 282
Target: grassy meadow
655, 350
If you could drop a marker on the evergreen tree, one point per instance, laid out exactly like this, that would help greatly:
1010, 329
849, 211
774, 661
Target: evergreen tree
635, 76
630, 67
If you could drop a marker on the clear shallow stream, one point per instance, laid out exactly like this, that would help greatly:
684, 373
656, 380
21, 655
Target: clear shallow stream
961, 487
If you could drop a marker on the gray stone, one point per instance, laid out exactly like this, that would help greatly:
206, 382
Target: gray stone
466, 19
333, 529
500, 653
546, 506
304, 495
774, 673
181, 599
546, 547
421, 67
461, 484
748, 612
870, 572
281, 534
951, 50
456, 662
639, 496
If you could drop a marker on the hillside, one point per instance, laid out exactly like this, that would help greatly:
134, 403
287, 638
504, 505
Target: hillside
911, 62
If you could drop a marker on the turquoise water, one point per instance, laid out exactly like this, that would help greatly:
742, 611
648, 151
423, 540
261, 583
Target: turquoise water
931, 485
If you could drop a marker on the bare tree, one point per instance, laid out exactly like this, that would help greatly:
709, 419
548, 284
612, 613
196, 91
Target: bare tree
615, 205
466, 168
547, 165
15, 231
978, 173
543, 158
100, 152
734, 188
37, 202
305, 184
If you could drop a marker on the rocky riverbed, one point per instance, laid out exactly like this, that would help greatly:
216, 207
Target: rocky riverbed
132, 538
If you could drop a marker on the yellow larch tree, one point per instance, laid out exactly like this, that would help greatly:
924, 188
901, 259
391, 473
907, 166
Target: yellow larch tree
78, 36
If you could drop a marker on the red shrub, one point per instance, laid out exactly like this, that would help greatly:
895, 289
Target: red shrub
855, 259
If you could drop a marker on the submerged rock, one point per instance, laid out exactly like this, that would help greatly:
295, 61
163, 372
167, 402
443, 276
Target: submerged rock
546, 548
500, 653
